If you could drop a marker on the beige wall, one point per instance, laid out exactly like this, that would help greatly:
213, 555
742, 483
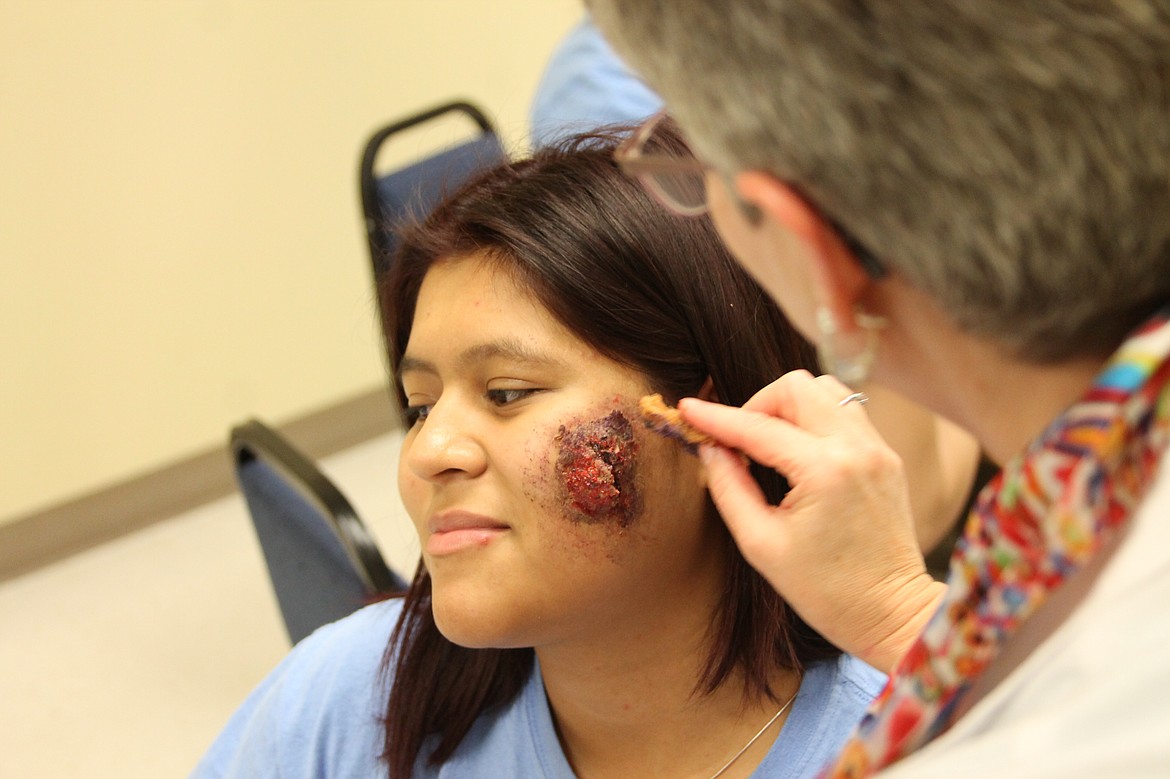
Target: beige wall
179, 229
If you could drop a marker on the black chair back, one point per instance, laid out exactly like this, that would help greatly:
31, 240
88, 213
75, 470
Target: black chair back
322, 562
412, 191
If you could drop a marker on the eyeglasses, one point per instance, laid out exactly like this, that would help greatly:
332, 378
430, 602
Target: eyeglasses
677, 182
680, 183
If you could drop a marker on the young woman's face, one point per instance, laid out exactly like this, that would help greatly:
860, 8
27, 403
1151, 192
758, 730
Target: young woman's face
545, 510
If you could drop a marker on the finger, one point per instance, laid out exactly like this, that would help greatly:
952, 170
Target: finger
737, 496
775, 443
781, 397
811, 402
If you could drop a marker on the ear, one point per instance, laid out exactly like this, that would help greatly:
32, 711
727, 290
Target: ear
839, 280
707, 391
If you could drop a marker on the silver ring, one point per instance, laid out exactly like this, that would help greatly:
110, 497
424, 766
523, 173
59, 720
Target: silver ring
859, 397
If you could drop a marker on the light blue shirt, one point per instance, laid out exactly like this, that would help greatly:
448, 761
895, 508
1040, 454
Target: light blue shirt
584, 86
319, 715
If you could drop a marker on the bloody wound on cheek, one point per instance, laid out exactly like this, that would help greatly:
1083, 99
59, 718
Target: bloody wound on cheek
596, 466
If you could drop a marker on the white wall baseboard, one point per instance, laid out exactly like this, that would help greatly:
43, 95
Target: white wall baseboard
43, 537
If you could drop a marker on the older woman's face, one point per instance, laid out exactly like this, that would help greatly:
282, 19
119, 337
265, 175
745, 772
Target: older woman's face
545, 511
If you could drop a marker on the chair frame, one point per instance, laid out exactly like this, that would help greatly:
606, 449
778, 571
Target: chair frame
368, 180
253, 440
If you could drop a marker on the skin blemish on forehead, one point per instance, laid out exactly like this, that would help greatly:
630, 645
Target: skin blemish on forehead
597, 468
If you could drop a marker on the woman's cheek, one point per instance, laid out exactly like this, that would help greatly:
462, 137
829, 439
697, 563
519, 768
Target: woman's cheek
411, 489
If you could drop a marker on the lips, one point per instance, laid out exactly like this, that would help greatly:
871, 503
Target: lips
458, 531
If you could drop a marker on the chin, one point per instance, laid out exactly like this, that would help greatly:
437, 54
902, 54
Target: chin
472, 625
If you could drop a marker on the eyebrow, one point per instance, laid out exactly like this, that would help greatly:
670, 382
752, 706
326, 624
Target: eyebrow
507, 349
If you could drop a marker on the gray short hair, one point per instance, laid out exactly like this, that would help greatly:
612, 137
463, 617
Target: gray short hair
1009, 157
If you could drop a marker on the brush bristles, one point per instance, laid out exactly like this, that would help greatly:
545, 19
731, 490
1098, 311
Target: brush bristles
667, 422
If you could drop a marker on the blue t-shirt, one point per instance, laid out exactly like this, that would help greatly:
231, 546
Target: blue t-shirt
318, 714
584, 86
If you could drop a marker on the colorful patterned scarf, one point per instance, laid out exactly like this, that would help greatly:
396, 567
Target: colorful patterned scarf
1040, 520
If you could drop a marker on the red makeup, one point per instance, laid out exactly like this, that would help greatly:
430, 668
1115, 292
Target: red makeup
596, 465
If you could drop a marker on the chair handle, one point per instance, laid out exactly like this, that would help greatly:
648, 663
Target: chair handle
367, 181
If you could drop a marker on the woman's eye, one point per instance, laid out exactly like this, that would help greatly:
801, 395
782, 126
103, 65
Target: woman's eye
504, 397
416, 413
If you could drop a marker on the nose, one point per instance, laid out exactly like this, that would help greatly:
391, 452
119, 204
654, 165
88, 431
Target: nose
446, 444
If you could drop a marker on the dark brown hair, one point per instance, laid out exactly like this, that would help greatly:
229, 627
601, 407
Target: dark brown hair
647, 289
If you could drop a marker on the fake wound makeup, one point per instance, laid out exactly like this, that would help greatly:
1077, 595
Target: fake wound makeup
597, 468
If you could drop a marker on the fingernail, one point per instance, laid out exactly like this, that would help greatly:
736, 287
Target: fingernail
709, 454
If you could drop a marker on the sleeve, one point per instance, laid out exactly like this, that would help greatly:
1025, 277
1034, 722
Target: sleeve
318, 714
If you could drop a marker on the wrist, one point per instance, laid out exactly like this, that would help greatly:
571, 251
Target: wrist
917, 600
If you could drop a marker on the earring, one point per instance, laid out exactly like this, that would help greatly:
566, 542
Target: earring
848, 356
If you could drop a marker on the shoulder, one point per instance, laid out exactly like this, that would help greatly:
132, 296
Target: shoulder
839, 691
585, 85
854, 678
517, 738
834, 695
321, 709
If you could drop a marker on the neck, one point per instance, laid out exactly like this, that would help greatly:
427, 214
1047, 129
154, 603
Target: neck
627, 706
1004, 401
1011, 408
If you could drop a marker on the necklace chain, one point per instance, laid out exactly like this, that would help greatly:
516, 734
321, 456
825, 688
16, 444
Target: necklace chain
756, 737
